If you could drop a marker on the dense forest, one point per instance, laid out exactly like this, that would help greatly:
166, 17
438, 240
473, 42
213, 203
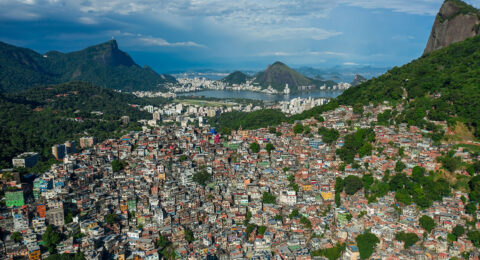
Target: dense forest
264, 118
236, 77
38, 118
257, 119
443, 85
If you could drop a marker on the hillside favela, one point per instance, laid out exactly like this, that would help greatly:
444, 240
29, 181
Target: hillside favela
208, 129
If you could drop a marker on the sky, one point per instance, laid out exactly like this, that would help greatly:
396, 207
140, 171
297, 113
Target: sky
177, 35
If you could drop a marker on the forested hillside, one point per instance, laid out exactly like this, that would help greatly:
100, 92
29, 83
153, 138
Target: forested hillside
38, 118
442, 85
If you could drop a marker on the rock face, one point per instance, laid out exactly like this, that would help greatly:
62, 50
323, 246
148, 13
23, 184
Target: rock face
358, 80
455, 22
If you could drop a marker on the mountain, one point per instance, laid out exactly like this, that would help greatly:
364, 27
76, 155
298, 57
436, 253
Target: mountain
104, 65
278, 75
36, 119
455, 22
359, 79
21, 68
311, 72
341, 73
236, 77
442, 85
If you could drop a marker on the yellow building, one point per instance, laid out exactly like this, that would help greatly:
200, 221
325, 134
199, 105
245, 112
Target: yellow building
307, 187
243, 133
161, 176
327, 195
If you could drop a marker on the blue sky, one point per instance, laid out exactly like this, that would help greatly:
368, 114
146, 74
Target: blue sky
173, 35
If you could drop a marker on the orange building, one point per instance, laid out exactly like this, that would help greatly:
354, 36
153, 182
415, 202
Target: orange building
35, 255
42, 210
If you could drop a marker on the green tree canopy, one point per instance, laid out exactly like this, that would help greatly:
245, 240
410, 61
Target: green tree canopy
255, 147
17, 237
118, 165
202, 177
427, 223
294, 214
189, 236
269, 147
329, 136
352, 184
366, 244
474, 236
51, 238
268, 198
298, 128
111, 218
261, 230
409, 239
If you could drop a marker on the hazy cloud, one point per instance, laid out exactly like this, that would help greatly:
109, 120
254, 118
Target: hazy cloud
419, 7
152, 41
302, 53
234, 31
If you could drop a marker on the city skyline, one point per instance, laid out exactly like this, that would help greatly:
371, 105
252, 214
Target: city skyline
183, 35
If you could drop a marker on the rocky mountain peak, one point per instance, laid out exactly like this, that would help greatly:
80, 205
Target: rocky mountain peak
455, 22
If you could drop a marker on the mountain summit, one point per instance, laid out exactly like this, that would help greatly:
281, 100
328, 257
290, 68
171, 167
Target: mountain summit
359, 79
278, 75
236, 77
455, 22
104, 65
106, 54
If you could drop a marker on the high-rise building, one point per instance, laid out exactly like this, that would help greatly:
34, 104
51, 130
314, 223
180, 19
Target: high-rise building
55, 216
179, 108
25, 160
125, 120
149, 109
87, 142
71, 147
157, 116
58, 151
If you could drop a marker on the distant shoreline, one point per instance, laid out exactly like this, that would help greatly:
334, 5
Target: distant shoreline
247, 94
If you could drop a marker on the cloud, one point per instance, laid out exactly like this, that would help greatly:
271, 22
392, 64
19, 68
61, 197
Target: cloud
297, 33
152, 41
417, 7
272, 18
278, 54
350, 64
87, 20
300, 54
403, 37
331, 53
